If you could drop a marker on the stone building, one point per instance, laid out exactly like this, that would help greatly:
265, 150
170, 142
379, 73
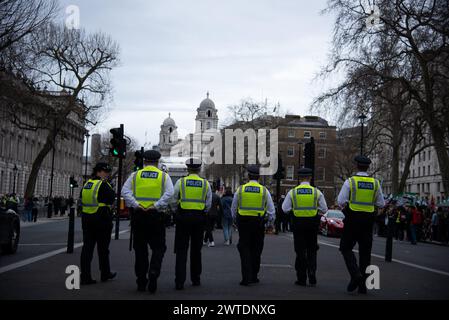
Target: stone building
19, 147
294, 132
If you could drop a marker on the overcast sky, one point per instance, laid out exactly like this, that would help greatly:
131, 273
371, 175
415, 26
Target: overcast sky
173, 52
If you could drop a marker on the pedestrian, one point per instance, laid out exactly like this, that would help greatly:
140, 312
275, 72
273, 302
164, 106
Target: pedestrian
434, 225
35, 209
148, 192
97, 198
227, 220
305, 201
211, 219
56, 205
359, 197
63, 206
252, 205
28, 212
192, 200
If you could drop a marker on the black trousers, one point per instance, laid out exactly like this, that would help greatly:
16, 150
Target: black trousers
97, 230
210, 224
358, 228
250, 246
148, 229
190, 225
305, 234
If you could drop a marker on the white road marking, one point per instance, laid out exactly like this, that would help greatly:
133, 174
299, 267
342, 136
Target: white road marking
42, 244
276, 265
43, 256
410, 264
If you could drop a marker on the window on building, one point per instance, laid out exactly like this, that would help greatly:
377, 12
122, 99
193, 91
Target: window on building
322, 153
419, 157
307, 134
320, 174
428, 154
291, 133
423, 170
428, 187
209, 113
413, 173
323, 135
290, 152
419, 171
290, 172
208, 125
428, 170
418, 187
424, 156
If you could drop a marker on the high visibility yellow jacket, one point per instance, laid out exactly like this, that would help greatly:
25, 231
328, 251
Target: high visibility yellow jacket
148, 185
89, 196
252, 199
363, 193
193, 192
305, 201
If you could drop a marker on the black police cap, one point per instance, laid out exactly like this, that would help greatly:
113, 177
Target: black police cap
305, 172
362, 160
253, 169
151, 155
102, 166
193, 163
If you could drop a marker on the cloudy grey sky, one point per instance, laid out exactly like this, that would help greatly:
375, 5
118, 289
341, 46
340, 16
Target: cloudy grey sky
173, 52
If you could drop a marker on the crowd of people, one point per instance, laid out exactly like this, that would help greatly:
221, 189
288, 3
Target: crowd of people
414, 222
29, 208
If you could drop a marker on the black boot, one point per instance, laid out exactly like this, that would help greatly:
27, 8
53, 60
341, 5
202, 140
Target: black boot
152, 284
109, 276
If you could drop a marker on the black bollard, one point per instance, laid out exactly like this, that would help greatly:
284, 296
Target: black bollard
389, 243
71, 236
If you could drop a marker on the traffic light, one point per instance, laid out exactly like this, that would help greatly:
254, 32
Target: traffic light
138, 162
118, 143
309, 156
280, 173
73, 183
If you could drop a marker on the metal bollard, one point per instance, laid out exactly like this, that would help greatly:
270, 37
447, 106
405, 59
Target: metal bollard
71, 236
389, 243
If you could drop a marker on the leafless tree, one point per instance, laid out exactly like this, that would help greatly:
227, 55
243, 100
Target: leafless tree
68, 70
412, 36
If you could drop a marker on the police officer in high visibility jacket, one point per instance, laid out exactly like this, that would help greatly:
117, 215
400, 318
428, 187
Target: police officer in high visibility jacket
305, 201
148, 192
251, 207
192, 200
97, 196
359, 197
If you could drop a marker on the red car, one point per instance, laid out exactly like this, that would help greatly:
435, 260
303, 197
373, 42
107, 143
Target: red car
331, 223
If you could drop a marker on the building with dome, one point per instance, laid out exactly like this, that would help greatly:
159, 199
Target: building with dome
168, 136
206, 125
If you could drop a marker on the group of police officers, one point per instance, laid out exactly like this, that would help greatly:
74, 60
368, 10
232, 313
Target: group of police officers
149, 192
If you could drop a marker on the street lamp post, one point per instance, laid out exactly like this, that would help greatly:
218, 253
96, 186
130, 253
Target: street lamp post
15, 169
362, 118
87, 150
299, 157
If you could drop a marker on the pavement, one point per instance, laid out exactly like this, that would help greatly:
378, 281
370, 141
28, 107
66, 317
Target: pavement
37, 271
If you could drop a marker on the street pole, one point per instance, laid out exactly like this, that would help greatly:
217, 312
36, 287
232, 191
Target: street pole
389, 243
87, 151
71, 235
299, 158
119, 195
15, 174
362, 118
53, 161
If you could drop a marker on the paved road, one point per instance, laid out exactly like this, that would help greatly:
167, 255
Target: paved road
421, 273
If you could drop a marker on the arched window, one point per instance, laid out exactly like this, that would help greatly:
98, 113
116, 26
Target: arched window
209, 113
170, 129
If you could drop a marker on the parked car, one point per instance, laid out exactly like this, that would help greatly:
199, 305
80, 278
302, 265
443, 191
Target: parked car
9, 231
331, 223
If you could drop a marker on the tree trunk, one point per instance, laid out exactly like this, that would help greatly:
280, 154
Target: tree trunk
443, 156
31, 184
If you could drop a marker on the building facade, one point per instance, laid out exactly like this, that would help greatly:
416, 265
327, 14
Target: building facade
19, 148
294, 132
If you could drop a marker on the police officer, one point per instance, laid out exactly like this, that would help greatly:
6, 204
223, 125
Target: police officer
305, 201
251, 206
192, 199
97, 196
148, 191
358, 197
